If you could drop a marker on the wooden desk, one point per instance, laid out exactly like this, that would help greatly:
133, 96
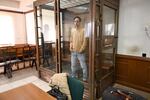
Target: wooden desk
26, 92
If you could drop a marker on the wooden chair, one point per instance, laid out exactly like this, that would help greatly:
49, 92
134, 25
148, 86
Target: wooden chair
19, 53
26, 56
2, 60
9, 58
29, 55
33, 56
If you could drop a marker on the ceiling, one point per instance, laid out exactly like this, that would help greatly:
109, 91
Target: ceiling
17, 5
26, 5
73, 5
69, 3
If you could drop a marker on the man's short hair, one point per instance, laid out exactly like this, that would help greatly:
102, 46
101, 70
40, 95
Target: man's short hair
78, 18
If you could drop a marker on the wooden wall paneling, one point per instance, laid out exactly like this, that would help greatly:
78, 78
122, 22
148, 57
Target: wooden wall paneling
133, 72
140, 73
123, 69
131, 69
148, 77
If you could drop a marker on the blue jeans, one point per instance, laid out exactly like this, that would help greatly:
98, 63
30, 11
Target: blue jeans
81, 57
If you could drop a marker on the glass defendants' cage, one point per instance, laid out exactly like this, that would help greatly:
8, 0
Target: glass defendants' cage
54, 20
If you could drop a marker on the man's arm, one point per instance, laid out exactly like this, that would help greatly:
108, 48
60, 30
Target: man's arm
71, 44
84, 45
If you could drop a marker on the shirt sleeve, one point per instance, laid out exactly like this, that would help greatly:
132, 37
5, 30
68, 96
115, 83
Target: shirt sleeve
84, 45
71, 37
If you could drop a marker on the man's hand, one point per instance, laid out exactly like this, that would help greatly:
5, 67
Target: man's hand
71, 47
81, 51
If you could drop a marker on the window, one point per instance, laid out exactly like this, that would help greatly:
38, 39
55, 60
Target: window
109, 29
6, 30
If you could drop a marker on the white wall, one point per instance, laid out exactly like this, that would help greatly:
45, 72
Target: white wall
30, 28
134, 16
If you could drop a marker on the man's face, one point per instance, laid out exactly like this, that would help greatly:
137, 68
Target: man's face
77, 22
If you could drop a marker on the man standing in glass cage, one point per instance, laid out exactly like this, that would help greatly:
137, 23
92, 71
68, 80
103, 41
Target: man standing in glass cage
78, 44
